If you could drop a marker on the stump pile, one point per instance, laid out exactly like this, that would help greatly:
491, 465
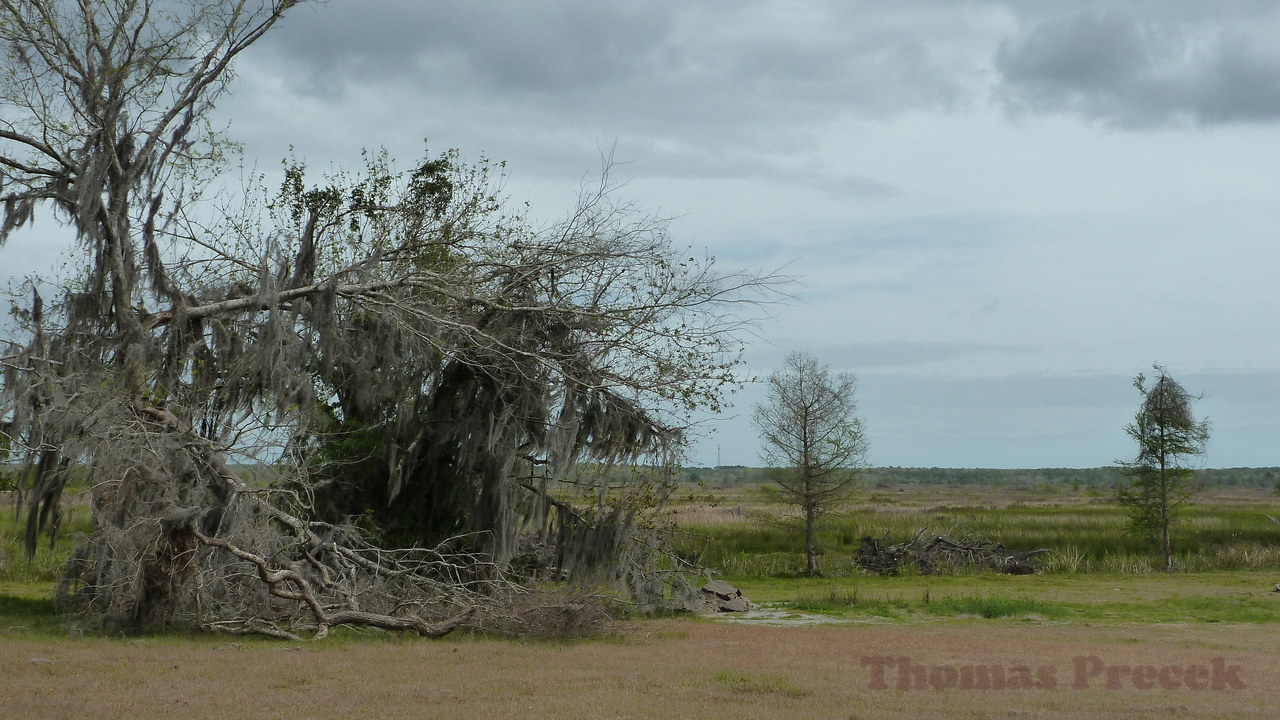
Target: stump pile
932, 554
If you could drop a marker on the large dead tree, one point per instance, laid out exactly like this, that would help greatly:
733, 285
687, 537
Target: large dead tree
264, 397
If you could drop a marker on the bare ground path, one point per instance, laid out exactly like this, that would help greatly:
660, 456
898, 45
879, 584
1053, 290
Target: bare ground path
668, 669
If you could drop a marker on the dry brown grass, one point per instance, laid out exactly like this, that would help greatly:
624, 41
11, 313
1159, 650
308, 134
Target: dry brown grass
708, 515
679, 669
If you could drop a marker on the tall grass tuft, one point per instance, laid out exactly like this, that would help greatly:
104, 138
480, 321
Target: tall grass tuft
1067, 560
998, 606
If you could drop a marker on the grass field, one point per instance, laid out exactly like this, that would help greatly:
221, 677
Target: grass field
661, 670
744, 532
847, 645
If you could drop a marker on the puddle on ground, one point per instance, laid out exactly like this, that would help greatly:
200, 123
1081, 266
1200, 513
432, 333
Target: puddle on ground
774, 615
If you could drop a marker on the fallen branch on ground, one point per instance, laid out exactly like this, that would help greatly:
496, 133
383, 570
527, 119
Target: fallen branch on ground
290, 585
931, 554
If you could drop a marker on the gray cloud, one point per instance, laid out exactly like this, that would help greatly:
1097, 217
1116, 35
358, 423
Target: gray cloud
700, 88
1139, 70
525, 47
900, 355
721, 49
882, 357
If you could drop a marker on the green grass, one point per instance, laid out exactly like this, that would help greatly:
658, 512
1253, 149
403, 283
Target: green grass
46, 564
28, 609
1097, 573
999, 606
1235, 596
850, 601
1086, 534
756, 684
989, 605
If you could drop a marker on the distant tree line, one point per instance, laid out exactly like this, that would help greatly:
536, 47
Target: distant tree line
1103, 478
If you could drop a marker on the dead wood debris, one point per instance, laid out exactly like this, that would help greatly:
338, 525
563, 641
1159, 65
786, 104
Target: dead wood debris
932, 554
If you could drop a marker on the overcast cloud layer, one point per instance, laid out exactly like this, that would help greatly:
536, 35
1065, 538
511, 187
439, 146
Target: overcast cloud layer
1000, 211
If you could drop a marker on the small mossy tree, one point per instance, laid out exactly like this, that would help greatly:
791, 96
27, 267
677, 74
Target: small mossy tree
1168, 436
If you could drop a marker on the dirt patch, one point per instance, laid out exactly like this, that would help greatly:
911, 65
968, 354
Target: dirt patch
672, 669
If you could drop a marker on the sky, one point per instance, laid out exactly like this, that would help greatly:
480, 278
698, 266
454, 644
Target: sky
998, 213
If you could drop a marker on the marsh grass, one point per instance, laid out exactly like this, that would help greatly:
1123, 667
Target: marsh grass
749, 542
849, 600
1238, 596
1086, 533
853, 601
